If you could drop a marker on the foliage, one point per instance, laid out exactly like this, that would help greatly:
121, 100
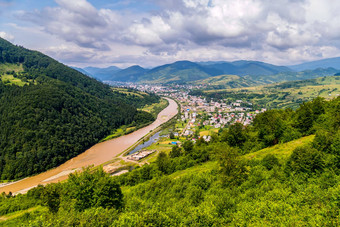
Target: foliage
269, 161
96, 189
51, 197
305, 160
175, 152
279, 96
214, 184
232, 168
58, 115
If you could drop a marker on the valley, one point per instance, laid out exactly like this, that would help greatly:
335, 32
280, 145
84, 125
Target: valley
96, 155
224, 143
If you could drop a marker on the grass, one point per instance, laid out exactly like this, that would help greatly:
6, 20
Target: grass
155, 108
7, 77
207, 166
4, 219
127, 92
10, 67
282, 151
10, 79
286, 94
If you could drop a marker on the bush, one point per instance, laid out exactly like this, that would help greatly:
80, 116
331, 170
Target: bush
305, 160
269, 161
95, 189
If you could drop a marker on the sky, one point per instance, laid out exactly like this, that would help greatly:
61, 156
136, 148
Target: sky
103, 33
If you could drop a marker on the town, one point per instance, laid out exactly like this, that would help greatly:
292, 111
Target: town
201, 117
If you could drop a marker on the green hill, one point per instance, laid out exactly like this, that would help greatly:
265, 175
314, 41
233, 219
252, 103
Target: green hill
101, 73
279, 95
292, 76
284, 168
186, 71
226, 81
50, 113
130, 74
178, 72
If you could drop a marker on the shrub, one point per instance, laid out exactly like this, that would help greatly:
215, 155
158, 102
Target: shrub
305, 159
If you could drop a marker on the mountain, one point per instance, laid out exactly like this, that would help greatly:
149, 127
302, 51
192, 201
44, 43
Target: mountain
179, 72
102, 73
252, 68
258, 68
324, 63
186, 71
130, 74
291, 76
50, 113
82, 71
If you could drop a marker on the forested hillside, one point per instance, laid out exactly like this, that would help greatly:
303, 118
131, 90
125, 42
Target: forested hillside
49, 113
284, 169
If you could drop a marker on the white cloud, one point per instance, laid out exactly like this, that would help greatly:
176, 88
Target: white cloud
282, 32
6, 36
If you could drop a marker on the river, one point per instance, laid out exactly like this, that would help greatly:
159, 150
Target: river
96, 155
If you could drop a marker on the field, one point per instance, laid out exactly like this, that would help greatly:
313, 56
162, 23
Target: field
12, 74
127, 92
155, 108
282, 95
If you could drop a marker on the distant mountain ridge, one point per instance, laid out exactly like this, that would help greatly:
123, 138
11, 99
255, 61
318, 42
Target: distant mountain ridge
102, 73
187, 71
323, 63
129, 74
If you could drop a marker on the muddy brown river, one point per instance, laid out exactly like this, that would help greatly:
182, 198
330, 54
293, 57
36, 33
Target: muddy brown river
96, 155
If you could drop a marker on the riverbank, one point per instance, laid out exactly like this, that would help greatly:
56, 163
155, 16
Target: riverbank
96, 155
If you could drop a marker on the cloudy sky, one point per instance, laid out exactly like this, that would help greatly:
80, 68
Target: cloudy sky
153, 32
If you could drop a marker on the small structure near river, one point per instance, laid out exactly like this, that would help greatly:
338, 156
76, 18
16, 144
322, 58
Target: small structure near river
140, 154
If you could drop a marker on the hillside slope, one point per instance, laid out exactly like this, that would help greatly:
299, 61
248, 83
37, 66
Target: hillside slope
179, 72
323, 63
229, 181
49, 113
226, 81
102, 73
130, 74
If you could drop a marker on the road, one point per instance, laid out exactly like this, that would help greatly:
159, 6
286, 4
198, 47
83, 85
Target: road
96, 155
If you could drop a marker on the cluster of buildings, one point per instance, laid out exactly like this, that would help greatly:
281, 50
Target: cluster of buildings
197, 111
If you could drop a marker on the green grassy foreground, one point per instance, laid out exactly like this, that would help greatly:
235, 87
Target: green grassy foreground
283, 170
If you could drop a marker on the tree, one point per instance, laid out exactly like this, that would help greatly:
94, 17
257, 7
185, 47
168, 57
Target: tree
270, 126
235, 135
305, 159
304, 118
175, 152
232, 169
163, 162
269, 161
51, 197
188, 146
96, 189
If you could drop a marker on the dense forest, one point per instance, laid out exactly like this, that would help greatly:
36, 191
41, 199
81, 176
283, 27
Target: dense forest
282, 170
55, 112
